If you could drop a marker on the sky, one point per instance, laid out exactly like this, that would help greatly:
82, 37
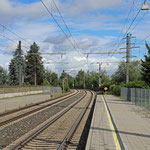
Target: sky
95, 26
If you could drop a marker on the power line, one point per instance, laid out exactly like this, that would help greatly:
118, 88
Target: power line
57, 23
8, 38
130, 25
124, 25
134, 19
144, 39
61, 27
65, 23
11, 40
13, 33
139, 21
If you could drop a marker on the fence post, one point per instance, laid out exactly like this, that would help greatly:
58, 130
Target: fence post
149, 98
140, 97
145, 99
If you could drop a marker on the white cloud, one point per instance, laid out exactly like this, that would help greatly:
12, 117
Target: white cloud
76, 7
12, 10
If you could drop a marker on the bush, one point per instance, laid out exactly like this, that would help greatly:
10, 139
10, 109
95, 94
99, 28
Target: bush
46, 83
116, 90
104, 85
111, 87
67, 89
136, 84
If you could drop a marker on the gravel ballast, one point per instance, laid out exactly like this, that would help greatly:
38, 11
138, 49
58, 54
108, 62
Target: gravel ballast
16, 130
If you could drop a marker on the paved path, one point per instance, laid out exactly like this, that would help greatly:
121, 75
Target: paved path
118, 125
16, 102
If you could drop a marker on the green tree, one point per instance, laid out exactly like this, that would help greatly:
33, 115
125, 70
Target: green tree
51, 77
80, 77
3, 76
146, 66
14, 67
91, 79
34, 66
134, 72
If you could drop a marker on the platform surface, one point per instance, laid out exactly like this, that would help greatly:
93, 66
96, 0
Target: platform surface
118, 125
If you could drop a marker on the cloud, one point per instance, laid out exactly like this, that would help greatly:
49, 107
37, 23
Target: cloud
58, 39
10, 11
76, 7
90, 21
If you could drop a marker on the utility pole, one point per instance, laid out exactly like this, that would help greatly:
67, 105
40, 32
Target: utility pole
20, 64
83, 79
128, 54
35, 80
100, 75
63, 81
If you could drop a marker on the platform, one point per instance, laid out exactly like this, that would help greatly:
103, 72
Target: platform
118, 125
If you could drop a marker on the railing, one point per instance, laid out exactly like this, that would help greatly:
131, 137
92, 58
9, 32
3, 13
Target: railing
51, 90
138, 96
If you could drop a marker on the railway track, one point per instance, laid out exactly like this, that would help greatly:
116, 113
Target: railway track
57, 132
17, 114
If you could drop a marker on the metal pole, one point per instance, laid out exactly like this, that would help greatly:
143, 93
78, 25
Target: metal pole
128, 57
20, 67
100, 73
63, 86
84, 80
35, 80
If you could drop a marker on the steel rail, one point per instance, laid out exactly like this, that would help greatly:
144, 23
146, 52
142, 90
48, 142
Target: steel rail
43, 127
32, 105
75, 125
33, 111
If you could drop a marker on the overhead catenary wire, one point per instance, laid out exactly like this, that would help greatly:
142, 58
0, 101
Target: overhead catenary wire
65, 24
76, 48
8, 38
117, 45
133, 20
57, 23
130, 25
11, 40
144, 14
13, 33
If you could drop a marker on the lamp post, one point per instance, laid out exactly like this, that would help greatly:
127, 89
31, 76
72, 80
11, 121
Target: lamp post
145, 6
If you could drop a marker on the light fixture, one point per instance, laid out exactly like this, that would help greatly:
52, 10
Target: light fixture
145, 6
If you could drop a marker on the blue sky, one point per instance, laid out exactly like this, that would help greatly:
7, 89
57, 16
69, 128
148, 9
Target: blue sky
94, 24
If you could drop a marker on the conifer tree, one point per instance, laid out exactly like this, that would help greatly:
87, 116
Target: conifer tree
34, 66
146, 66
3, 76
14, 67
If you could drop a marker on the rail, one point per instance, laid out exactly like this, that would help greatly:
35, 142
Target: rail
34, 110
75, 125
43, 127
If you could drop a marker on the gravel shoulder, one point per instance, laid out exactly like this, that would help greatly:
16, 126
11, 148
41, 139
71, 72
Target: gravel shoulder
17, 129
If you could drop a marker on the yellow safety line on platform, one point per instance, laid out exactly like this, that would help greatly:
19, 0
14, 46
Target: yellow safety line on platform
112, 127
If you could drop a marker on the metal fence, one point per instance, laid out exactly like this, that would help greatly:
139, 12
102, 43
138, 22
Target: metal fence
138, 96
51, 90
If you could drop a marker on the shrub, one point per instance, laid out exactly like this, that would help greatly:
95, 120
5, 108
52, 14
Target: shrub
116, 90
46, 83
136, 84
104, 85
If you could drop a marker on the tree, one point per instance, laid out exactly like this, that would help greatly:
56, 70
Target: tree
3, 76
80, 77
14, 67
134, 72
146, 66
34, 66
91, 79
51, 77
